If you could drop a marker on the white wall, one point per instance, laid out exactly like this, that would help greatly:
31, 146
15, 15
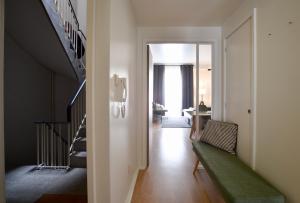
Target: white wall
278, 47
112, 162
74, 4
179, 35
150, 108
80, 7
123, 153
2, 175
151, 78
82, 14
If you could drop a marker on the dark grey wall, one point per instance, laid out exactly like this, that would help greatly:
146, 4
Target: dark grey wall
28, 23
64, 89
28, 98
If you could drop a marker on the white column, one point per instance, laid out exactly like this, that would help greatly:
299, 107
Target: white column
97, 87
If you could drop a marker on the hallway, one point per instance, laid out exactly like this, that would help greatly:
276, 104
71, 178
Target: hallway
169, 177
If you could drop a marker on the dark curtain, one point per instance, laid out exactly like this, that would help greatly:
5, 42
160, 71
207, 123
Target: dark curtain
158, 84
187, 86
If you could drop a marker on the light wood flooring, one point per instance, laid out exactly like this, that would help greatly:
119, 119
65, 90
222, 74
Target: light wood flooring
63, 199
169, 177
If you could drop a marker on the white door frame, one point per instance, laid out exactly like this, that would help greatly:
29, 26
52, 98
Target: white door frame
253, 17
142, 56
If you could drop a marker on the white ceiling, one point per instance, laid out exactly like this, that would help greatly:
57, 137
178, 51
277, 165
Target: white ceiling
183, 12
173, 53
180, 54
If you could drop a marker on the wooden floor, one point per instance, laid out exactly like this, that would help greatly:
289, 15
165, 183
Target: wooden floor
62, 199
169, 177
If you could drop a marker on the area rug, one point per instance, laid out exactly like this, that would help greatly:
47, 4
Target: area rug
175, 122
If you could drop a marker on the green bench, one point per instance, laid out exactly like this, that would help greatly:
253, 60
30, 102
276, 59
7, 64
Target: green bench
237, 182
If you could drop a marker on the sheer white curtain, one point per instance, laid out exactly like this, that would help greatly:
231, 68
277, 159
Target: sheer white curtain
173, 90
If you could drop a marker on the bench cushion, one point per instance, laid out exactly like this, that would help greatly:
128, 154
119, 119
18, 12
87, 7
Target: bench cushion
237, 182
222, 135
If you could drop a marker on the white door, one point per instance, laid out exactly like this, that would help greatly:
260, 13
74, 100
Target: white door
238, 86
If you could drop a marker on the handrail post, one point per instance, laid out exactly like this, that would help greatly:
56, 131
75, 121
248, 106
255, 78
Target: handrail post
38, 144
44, 143
47, 145
51, 144
69, 143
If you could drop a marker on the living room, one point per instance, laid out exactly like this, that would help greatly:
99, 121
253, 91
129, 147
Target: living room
174, 82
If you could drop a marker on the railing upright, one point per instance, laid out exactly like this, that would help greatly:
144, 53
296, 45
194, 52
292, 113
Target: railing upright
52, 147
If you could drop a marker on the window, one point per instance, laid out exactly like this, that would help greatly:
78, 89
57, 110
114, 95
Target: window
173, 90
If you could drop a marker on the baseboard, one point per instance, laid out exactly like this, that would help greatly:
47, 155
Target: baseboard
132, 185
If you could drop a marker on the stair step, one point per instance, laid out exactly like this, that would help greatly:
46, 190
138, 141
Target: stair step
78, 160
82, 132
80, 144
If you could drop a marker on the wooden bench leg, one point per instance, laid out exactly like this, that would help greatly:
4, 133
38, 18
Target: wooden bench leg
196, 166
193, 128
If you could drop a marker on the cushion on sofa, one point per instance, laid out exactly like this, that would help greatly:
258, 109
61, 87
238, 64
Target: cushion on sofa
222, 135
237, 182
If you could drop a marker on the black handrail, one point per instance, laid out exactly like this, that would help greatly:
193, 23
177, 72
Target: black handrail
72, 9
79, 30
71, 103
55, 132
75, 17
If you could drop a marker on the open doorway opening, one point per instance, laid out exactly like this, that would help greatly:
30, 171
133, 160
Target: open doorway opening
180, 93
179, 86
44, 101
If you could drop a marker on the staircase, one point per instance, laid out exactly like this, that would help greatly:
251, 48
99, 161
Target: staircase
63, 18
76, 113
78, 156
62, 145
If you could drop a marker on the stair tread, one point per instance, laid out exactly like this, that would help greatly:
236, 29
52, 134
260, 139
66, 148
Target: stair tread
81, 154
82, 132
79, 144
78, 160
82, 139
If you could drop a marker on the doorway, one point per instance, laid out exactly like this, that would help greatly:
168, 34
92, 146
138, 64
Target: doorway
179, 79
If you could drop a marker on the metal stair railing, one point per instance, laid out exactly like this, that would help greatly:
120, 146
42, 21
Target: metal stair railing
72, 29
52, 146
76, 111
55, 139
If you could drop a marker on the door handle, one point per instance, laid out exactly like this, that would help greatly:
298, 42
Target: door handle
249, 111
